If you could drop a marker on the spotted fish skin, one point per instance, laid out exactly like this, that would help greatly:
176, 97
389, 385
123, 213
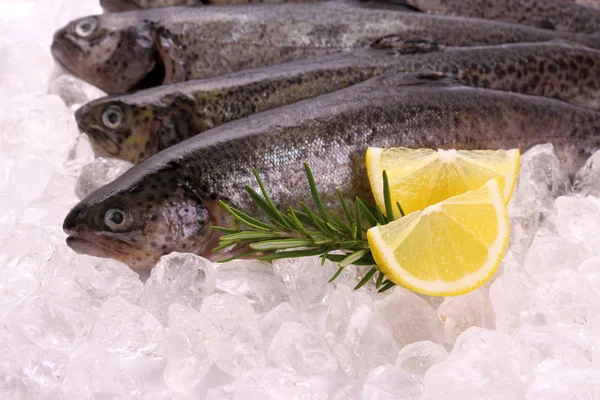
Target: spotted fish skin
130, 5
168, 202
559, 15
120, 52
588, 3
151, 120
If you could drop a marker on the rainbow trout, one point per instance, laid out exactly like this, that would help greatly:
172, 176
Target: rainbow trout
120, 52
130, 5
136, 126
558, 15
168, 202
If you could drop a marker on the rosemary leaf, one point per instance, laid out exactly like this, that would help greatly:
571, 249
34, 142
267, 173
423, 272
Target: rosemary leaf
250, 235
246, 219
344, 205
280, 244
357, 255
315, 193
380, 277
292, 254
386, 286
389, 210
366, 278
235, 257
337, 273
400, 209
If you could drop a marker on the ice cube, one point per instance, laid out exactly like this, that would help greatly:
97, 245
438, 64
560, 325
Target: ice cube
307, 281
576, 384
105, 278
301, 350
253, 280
418, 357
541, 176
128, 331
550, 254
347, 392
541, 180
551, 349
388, 383
74, 91
483, 364
95, 379
192, 347
98, 173
60, 316
25, 68
588, 177
410, 317
460, 313
21, 274
14, 385
363, 343
182, 278
226, 312
508, 294
590, 271
47, 367
564, 300
270, 322
267, 384
41, 128
243, 351
342, 304
577, 219
165, 395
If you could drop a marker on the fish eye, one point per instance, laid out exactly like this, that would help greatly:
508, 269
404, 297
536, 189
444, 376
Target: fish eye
116, 219
85, 27
112, 117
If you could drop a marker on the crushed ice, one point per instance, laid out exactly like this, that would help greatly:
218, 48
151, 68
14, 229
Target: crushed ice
77, 327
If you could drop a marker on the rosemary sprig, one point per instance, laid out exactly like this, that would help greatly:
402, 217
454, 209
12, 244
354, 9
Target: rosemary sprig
304, 233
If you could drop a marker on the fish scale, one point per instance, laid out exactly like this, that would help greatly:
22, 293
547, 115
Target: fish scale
157, 118
120, 52
331, 133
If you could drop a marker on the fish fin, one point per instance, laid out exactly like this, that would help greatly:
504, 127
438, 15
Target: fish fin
171, 56
412, 46
413, 79
544, 24
403, 4
433, 76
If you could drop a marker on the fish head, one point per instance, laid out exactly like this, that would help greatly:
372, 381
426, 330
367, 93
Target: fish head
119, 128
114, 52
138, 225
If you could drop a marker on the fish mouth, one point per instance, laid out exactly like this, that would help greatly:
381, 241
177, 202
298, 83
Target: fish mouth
101, 247
63, 51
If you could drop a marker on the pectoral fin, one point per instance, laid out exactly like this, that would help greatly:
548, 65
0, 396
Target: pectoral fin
171, 56
403, 46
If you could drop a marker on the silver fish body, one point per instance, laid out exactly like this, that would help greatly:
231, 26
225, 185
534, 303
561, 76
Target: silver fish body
168, 202
558, 15
120, 52
136, 126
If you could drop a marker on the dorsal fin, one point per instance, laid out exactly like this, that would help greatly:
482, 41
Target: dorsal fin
412, 46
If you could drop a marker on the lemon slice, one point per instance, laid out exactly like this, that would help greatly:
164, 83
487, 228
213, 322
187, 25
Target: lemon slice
447, 249
421, 177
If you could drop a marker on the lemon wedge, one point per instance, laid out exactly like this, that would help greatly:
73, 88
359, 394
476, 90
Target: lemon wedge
421, 177
449, 248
